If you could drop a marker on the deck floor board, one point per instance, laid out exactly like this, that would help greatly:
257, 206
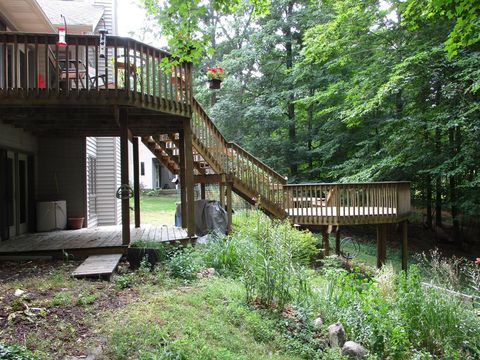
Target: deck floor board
99, 237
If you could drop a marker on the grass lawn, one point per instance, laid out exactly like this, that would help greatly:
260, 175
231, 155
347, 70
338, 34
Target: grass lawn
156, 317
158, 210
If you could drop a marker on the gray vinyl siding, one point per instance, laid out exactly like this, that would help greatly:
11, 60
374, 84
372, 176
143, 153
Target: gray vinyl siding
61, 173
107, 181
91, 147
118, 177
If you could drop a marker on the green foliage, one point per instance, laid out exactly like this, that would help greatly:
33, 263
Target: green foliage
464, 13
395, 316
269, 256
15, 352
184, 263
62, 299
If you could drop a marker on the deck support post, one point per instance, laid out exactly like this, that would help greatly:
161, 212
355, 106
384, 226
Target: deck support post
404, 245
136, 181
326, 241
123, 121
202, 191
381, 245
222, 195
337, 241
183, 193
189, 182
229, 207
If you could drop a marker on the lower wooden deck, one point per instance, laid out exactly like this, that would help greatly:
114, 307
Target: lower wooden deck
103, 239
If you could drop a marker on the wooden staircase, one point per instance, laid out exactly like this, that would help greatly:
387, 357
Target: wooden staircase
212, 154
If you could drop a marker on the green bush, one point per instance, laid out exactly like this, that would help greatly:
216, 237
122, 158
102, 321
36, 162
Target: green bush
395, 316
269, 256
184, 263
15, 352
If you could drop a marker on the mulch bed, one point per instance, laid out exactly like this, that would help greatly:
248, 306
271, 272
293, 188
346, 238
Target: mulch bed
59, 330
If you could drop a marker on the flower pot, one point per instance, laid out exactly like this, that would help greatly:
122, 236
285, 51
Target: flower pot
75, 223
214, 84
135, 256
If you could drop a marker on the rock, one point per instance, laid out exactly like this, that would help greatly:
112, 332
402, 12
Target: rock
317, 323
206, 273
336, 335
354, 350
19, 292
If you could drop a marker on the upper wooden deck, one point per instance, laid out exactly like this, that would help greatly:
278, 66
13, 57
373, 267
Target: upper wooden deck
44, 87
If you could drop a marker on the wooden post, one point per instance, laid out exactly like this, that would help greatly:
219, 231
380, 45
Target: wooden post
326, 241
189, 182
229, 207
337, 241
404, 245
202, 191
136, 181
183, 193
123, 121
381, 244
222, 195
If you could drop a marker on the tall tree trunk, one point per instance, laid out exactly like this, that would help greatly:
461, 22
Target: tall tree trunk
310, 135
292, 131
438, 183
454, 137
428, 201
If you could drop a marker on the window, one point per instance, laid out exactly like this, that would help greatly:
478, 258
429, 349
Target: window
142, 168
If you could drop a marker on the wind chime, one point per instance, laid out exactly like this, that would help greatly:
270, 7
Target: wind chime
62, 32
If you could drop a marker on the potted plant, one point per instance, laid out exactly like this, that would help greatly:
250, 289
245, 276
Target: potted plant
215, 77
153, 251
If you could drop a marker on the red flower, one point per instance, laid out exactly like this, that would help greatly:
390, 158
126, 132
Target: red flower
477, 261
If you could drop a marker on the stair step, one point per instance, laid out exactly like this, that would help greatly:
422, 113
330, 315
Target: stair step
98, 266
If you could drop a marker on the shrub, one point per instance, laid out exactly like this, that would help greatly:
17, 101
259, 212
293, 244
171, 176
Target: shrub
269, 256
15, 352
184, 263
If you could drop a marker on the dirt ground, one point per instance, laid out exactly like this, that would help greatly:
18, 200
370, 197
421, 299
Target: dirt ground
55, 312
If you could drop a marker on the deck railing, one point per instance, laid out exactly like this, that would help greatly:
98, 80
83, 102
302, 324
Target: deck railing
34, 65
349, 203
229, 158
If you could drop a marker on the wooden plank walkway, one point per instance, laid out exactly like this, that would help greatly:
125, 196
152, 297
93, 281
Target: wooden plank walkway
102, 237
98, 266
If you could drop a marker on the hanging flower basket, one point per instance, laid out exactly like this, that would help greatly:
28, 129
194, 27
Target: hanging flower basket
214, 84
215, 77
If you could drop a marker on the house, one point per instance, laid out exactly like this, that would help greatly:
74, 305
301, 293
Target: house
39, 163
74, 109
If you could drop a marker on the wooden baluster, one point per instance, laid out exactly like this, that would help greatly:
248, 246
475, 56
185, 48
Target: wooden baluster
96, 65
77, 64
142, 76
147, 64
25, 70
115, 66
5, 66
135, 74
87, 66
154, 79
36, 65
105, 84
15, 63
47, 66
171, 102
127, 68
57, 69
